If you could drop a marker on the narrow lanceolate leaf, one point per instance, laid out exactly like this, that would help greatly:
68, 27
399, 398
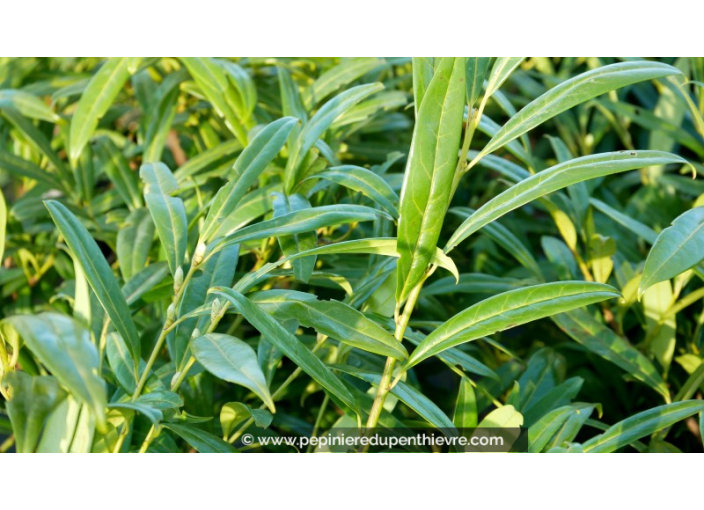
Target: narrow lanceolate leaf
375, 246
20, 167
427, 184
98, 274
168, 213
573, 92
144, 281
677, 248
556, 178
364, 181
202, 441
596, 337
134, 240
233, 360
477, 68
290, 245
249, 165
466, 407
642, 424
27, 104
345, 72
422, 74
222, 155
332, 318
557, 426
95, 102
154, 415
64, 347
301, 221
503, 67
508, 310
291, 102
318, 124
289, 345
119, 172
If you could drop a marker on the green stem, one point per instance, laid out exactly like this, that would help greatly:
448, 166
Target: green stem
121, 438
319, 419
385, 383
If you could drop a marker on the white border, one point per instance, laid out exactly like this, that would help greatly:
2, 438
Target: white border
343, 28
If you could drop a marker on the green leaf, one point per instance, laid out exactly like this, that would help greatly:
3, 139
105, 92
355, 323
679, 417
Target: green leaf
98, 273
555, 178
234, 413
345, 72
642, 424
199, 439
318, 124
332, 318
161, 399
119, 172
558, 426
422, 75
299, 222
33, 400
572, 92
249, 165
503, 417
134, 241
289, 345
154, 415
20, 167
60, 427
502, 69
476, 70
120, 362
232, 360
218, 270
168, 212
635, 226
290, 245
162, 117
291, 103
596, 337
427, 185
27, 104
144, 281
677, 248
363, 181
95, 101
212, 80
39, 141
466, 407
220, 156
64, 347
508, 310
3, 224
560, 395
376, 246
